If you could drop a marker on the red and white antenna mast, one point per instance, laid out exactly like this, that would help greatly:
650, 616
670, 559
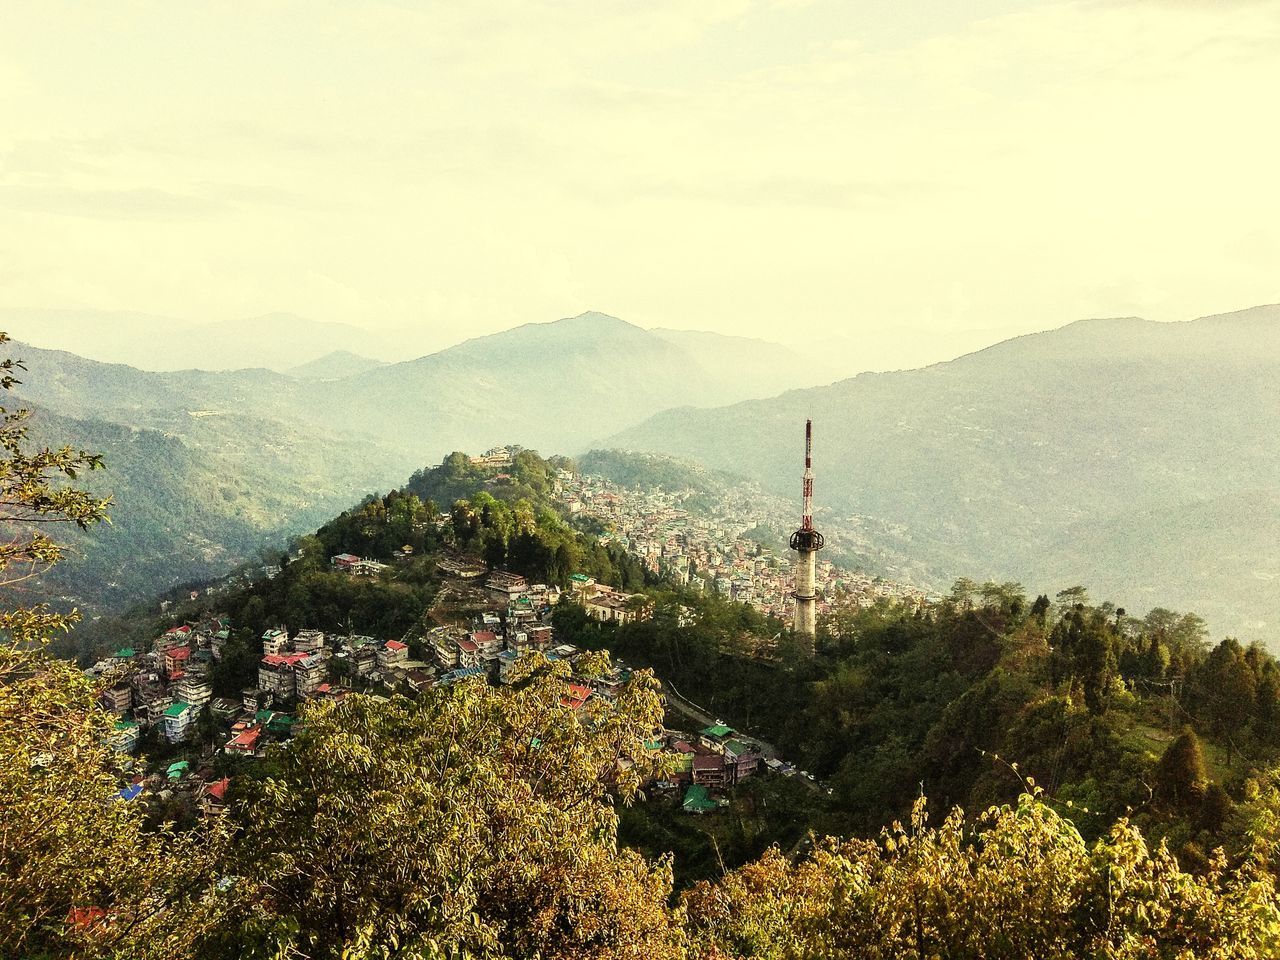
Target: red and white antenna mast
806, 519
806, 542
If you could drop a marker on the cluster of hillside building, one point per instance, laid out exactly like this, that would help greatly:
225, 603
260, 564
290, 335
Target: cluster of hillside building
706, 548
163, 688
166, 687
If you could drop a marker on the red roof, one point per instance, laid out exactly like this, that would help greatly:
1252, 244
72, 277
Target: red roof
179, 653
184, 630
682, 747
283, 659
484, 636
467, 646
396, 645
218, 790
576, 696
246, 739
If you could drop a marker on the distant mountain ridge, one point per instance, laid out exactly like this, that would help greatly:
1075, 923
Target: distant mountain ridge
1088, 454
275, 341
550, 386
313, 349
334, 366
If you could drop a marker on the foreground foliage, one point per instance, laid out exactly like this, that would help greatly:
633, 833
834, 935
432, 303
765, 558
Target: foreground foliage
481, 821
475, 819
1021, 883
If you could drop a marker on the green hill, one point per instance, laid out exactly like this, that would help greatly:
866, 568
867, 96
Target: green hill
189, 507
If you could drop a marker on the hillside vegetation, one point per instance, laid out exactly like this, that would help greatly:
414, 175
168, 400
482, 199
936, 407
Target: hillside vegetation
482, 821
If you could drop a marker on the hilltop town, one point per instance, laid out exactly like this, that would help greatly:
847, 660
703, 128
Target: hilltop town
707, 547
479, 626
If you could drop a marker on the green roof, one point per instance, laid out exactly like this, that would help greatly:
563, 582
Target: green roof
177, 709
697, 801
653, 744
177, 770
719, 730
126, 725
124, 653
580, 577
737, 746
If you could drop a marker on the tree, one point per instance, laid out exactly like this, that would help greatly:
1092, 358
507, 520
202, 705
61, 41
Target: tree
79, 873
1224, 692
1021, 883
1180, 777
477, 819
34, 495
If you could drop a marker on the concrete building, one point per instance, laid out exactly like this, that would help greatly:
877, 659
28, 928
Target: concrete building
194, 689
506, 586
308, 674
118, 699
275, 673
274, 641
309, 642
393, 654
178, 718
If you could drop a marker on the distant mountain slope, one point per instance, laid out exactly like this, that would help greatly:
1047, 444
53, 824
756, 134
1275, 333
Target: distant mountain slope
757, 367
1121, 453
189, 507
334, 366
275, 341
270, 437
552, 385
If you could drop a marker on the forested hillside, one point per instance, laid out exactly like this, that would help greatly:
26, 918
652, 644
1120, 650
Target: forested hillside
970, 698
492, 821
1138, 457
190, 506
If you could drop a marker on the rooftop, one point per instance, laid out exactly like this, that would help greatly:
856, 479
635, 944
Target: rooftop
696, 800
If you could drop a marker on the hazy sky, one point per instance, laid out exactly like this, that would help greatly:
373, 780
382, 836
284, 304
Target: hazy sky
879, 169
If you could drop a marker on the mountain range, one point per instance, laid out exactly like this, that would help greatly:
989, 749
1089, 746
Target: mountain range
275, 341
207, 464
1139, 458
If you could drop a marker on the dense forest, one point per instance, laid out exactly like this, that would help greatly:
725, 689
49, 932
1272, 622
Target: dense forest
969, 700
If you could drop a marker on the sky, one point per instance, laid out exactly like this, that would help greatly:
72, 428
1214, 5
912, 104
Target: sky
890, 179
